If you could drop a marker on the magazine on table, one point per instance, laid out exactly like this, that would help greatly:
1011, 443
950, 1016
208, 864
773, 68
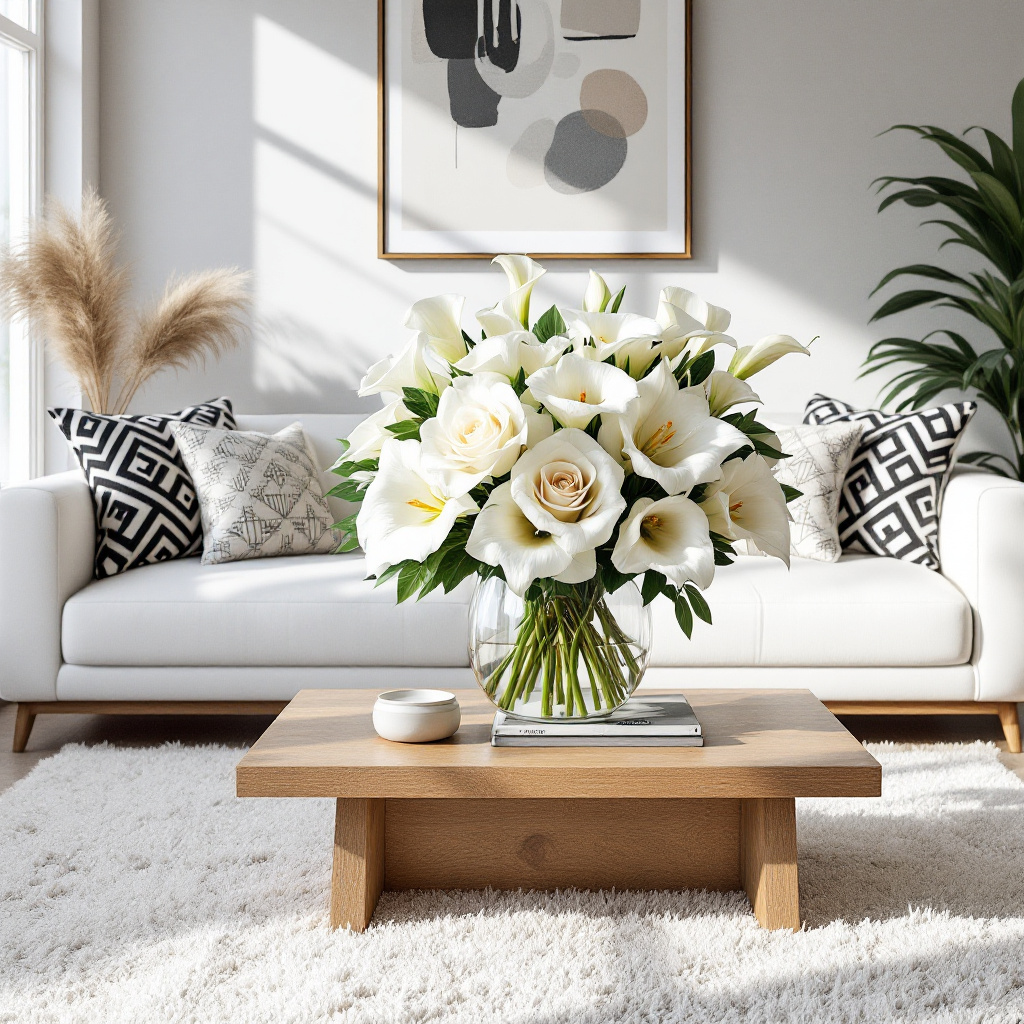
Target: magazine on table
662, 720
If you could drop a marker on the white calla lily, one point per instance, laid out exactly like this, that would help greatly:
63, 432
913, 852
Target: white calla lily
683, 337
597, 295
479, 431
724, 391
502, 535
610, 332
711, 318
576, 389
669, 536
498, 320
568, 486
522, 273
368, 437
406, 512
747, 503
669, 434
440, 319
507, 354
415, 366
753, 358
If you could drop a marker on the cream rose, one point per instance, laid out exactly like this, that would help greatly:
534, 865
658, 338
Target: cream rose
479, 431
568, 486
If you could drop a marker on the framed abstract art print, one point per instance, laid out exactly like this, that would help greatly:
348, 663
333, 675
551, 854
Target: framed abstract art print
558, 128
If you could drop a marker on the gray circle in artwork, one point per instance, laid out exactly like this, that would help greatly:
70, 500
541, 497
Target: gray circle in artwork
581, 158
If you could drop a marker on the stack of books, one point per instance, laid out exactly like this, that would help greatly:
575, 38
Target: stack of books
663, 721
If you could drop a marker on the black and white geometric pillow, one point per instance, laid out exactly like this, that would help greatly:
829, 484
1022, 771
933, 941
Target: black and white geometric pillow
146, 505
893, 490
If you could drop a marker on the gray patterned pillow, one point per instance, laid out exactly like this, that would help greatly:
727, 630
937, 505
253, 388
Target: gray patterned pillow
259, 494
821, 456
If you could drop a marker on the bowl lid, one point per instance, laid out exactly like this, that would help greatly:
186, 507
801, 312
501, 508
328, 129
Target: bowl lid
417, 698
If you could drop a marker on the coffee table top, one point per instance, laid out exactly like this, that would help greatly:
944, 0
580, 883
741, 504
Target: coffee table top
757, 743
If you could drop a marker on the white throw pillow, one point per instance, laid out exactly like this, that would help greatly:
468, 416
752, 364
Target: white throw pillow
259, 494
821, 456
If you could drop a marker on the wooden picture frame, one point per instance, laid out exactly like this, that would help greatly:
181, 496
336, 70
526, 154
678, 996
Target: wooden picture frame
467, 243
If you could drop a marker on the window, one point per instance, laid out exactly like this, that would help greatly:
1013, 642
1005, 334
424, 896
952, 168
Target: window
21, 54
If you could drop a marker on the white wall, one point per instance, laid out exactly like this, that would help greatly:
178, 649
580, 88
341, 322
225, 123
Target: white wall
244, 132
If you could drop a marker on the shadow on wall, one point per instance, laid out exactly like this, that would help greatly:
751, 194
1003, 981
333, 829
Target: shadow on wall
253, 142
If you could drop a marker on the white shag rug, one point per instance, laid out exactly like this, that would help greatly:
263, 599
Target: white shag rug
135, 887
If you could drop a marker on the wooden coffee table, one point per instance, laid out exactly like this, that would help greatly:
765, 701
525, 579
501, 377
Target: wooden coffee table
460, 814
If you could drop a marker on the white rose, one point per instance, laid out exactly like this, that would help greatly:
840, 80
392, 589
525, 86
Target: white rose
406, 512
568, 486
747, 503
479, 431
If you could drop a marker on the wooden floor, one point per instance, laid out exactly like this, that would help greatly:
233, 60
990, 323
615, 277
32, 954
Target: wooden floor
51, 732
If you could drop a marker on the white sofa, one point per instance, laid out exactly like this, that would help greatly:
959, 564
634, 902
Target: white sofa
865, 634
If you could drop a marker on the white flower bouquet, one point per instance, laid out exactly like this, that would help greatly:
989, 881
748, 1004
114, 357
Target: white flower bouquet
565, 459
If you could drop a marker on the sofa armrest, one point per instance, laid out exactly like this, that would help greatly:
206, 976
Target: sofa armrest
47, 547
981, 546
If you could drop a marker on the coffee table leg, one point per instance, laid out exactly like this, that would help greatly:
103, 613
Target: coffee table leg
768, 861
358, 875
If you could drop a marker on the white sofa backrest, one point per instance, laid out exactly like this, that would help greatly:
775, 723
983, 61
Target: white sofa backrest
323, 431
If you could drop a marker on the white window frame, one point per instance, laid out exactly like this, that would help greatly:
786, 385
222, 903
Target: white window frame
26, 355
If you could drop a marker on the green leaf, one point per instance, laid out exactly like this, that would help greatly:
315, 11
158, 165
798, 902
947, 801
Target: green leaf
348, 490
420, 403
456, 372
907, 300
410, 579
701, 368
617, 301
362, 466
654, 584
683, 615
519, 384
790, 493
700, 606
406, 430
549, 325
611, 578
470, 343
924, 270
1017, 111
765, 449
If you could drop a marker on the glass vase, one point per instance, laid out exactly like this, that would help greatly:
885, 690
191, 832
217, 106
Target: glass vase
575, 652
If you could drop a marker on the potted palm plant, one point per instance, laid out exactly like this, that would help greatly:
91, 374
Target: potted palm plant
984, 213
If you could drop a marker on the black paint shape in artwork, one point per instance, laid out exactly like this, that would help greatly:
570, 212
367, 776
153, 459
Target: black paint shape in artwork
588, 39
473, 103
451, 27
504, 54
580, 158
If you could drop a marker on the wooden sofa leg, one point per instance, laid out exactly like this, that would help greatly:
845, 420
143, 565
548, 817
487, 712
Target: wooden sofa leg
23, 727
1011, 726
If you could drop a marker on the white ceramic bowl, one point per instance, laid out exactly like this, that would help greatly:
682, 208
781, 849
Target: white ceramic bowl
416, 716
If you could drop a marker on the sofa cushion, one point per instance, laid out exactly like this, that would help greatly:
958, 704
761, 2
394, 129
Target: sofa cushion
323, 430
313, 610
859, 611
